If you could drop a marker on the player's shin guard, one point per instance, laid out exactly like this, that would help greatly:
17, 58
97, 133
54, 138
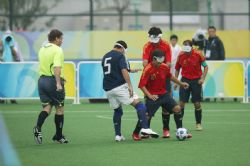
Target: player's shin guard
141, 112
59, 120
41, 118
118, 112
178, 120
198, 115
165, 120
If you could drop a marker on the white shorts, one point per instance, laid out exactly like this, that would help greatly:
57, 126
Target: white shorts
120, 95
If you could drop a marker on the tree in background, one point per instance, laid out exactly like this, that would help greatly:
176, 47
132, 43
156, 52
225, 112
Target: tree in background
25, 12
118, 5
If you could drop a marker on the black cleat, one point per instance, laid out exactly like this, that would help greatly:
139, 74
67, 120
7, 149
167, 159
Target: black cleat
61, 140
37, 135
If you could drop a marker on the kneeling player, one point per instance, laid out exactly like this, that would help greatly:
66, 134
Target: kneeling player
118, 88
153, 85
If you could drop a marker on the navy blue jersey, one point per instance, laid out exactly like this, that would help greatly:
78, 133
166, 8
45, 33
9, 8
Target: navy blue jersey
112, 64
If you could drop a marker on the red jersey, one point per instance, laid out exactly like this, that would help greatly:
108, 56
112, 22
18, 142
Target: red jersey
190, 64
154, 78
162, 45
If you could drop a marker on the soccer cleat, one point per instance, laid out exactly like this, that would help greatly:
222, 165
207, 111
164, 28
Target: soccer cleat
166, 133
198, 127
61, 140
37, 135
136, 137
149, 132
119, 138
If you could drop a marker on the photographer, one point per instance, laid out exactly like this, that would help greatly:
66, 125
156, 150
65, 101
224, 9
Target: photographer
9, 51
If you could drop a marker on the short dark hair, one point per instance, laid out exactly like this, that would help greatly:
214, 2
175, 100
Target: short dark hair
121, 42
53, 34
211, 27
158, 53
173, 37
154, 31
189, 42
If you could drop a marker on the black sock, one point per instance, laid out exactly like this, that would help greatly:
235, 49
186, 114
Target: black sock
149, 121
41, 118
198, 115
165, 121
137, 128
182, 112
59, 119
178, 120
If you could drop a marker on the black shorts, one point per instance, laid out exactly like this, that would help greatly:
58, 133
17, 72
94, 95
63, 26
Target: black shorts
47, 91
194, 89
165, 101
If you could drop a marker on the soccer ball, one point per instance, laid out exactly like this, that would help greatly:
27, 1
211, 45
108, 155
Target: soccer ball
181, 134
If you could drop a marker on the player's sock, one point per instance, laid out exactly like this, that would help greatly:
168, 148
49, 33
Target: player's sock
137, 127
182, 112
117, 120
149, 121
59, 119
41, 118
141, 112
165, 121
178, 120
198, 115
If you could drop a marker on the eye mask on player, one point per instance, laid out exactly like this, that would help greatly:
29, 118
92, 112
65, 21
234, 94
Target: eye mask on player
154, 38
159, 59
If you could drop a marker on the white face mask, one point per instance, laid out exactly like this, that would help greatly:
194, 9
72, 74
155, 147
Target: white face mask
154, 39
186, 48
160, 60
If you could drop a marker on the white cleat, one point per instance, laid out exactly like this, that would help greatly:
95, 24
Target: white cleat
119, 138
149, 132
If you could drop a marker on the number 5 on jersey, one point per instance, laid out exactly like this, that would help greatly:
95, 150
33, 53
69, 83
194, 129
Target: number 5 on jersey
108, 65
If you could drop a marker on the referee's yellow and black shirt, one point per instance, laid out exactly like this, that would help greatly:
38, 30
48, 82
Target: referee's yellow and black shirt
50, 56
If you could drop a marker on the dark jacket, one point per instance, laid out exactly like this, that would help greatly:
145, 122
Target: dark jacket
216, 47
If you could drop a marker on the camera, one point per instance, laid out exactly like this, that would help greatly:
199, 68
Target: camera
199, 39
8, 39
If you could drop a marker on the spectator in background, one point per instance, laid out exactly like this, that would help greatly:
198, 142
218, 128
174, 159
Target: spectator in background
214, 49
176, 49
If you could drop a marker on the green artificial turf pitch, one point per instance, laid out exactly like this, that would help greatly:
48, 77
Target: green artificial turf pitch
225, 140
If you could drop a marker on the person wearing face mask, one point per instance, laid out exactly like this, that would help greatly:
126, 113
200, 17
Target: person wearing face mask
156, 42
119, 90
190, 61
153, 85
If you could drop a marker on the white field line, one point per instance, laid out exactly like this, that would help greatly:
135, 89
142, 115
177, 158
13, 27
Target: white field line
206, 122
111, 111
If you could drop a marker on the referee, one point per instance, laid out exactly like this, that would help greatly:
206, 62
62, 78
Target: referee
51, 85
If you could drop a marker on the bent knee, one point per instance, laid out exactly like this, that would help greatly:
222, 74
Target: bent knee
177, 109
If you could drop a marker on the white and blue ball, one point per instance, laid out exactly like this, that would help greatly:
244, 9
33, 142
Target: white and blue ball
181, 134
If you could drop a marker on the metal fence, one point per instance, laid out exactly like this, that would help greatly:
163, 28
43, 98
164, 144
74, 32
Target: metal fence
131, 19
